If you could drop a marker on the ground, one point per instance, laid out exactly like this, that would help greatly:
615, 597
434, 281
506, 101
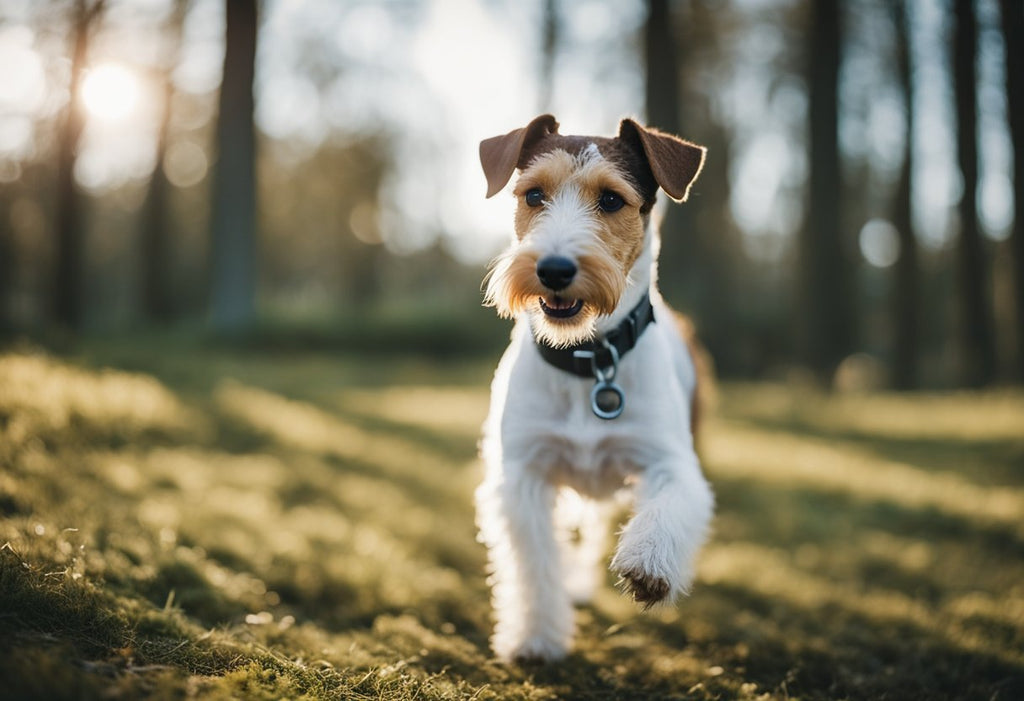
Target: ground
186, 520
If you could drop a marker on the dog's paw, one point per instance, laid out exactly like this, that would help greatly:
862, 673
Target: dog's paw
535, 651
646, 589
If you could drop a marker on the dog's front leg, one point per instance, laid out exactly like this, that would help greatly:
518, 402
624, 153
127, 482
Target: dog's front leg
533, 612
655, 554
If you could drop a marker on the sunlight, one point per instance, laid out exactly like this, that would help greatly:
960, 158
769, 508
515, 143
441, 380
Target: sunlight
51, 394
110, 92
778, 579
742, 452
463, 408
307, 427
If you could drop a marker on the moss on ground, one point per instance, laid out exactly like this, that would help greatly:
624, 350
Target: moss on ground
181, 520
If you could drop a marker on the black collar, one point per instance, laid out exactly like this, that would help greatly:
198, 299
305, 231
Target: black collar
582, 358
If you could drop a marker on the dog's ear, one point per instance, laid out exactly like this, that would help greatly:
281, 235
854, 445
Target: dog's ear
499, 155
674, 162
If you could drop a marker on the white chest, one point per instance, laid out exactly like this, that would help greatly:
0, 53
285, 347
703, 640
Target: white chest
541, 418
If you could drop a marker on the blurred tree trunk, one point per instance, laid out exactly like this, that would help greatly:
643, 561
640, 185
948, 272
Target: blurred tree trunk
698, 242
827, 320
662, 93
1013, 44
549, 50
233, 229
157, 300
661, 57
977, 335
905, 298
68, 288
7, 253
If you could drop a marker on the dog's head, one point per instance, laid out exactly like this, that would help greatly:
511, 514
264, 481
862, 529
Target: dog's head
581, 222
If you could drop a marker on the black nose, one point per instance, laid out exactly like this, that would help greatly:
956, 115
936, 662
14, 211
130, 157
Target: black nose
556, 272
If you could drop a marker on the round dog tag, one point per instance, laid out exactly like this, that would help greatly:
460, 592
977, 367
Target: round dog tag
607, 400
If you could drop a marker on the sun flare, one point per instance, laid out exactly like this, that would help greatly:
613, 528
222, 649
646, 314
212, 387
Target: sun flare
110, 92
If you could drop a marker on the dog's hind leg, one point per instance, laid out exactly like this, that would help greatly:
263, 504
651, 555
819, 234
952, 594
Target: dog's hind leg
583, 526
533, 612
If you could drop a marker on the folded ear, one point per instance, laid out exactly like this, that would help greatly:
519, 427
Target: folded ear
674, 162
499, 155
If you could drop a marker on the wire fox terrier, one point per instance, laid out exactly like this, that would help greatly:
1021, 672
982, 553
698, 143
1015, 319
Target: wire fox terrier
591, 395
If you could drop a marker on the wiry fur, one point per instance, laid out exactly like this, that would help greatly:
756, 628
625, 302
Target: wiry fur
542, 445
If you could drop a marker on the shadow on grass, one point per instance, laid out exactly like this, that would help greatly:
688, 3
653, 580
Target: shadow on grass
833, 651
985, 461
786, 514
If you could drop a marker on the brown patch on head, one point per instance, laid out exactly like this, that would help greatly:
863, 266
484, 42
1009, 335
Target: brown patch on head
622, 232
627, 156
649, 157
549, 172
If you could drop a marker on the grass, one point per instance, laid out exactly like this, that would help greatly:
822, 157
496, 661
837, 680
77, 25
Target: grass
179, 520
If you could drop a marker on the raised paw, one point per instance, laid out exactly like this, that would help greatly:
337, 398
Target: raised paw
645, 589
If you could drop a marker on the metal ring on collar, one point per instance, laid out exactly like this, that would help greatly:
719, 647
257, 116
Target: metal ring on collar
601, 406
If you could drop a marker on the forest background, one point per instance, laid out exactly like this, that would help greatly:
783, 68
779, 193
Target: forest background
307, 170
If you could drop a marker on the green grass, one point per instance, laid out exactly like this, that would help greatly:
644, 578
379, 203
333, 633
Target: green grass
184, 520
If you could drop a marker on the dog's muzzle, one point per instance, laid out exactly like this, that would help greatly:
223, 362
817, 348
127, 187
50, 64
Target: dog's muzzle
556, 273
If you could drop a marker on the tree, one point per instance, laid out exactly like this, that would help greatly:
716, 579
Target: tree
68, 288
233, 226
827, 321
977, 336
905, 298
662, 89
157, 301
549, 51
7, 266
1013, 40
661, 58
699, 248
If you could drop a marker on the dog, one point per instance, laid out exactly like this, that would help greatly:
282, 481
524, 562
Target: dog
596, 391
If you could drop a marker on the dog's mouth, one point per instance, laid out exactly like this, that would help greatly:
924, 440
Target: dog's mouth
559, 308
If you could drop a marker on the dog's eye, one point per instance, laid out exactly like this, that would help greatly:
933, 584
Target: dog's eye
610, 202
535, 197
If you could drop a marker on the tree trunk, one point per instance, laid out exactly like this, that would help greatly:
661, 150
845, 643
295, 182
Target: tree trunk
905, 295
698, 239
662, 97
976, 315
68, 287
233, 230
1013, 43
8, 251
827, 321
157, 300
662, 62
549, 50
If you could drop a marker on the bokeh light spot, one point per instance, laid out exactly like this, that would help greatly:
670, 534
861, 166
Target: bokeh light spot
110, 92
185, 164
879, 243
